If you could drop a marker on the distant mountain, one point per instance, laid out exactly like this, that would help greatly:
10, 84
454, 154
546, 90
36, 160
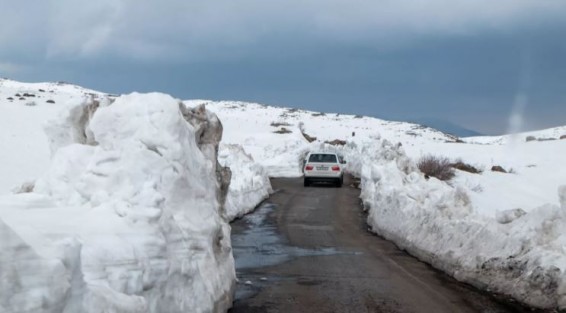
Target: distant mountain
447, 127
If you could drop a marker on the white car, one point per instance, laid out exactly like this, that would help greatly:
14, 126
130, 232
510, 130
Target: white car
324, 167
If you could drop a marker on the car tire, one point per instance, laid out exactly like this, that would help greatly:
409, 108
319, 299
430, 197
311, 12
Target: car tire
306, 182
339, 182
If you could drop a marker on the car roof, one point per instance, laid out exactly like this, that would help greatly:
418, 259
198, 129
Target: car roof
323, 153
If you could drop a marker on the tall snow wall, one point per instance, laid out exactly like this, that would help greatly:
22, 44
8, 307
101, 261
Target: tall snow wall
524, 258
128, 218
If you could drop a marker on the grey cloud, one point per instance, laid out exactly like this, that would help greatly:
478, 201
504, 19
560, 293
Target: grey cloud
183, 29
457, 60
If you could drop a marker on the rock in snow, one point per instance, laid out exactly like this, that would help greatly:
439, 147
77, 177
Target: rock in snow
128, 218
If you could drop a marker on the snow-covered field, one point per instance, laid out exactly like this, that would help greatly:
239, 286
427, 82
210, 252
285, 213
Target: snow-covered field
498, 231
25, 146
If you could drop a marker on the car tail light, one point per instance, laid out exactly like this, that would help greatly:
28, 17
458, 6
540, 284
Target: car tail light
336, 168
309, 168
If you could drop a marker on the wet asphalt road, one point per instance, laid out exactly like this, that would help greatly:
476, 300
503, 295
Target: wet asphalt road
308, 250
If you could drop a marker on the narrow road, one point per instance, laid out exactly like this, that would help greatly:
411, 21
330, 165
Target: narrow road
308, 250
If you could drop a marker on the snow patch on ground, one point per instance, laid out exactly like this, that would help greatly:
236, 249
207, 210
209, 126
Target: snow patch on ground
128, 217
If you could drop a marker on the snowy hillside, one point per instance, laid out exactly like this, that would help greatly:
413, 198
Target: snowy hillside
273, 135
539, 135
24, 108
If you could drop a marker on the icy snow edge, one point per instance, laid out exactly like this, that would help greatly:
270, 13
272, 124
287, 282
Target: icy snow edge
524, 258
128, 218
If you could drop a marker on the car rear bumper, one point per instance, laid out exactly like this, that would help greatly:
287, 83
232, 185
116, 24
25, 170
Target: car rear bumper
326, 176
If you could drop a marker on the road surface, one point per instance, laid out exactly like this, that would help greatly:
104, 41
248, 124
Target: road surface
308, 250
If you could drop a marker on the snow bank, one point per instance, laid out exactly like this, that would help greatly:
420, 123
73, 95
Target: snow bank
128, 218
525, 257
249, 185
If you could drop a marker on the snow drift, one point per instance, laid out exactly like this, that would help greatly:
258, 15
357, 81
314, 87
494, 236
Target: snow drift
128, 218
523, 256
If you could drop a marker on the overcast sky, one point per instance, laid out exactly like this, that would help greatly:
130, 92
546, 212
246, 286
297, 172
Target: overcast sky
469, 62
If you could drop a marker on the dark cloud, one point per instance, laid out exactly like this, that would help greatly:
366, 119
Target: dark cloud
465, 61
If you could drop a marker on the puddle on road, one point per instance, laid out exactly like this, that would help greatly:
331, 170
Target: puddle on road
256, 243
260, 245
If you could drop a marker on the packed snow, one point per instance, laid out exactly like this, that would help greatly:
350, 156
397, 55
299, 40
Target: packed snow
128, 217
250, 184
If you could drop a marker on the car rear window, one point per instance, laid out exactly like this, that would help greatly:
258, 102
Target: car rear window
323, 158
